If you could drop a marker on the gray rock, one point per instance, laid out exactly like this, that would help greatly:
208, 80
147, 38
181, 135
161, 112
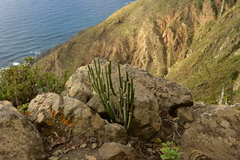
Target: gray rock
214, 134
83, 145
96, 104
20, 140
44, 107
117, 151
113, 132
77, 86
146, 121
65, 114
184, 113
46, 110
86, 120
169, 94
80, 95
94, 145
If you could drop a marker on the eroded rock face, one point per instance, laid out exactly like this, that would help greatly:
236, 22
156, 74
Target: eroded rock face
151, 94
20, 139
214, 133
117, 151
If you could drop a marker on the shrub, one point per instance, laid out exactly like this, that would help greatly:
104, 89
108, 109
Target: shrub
20, 84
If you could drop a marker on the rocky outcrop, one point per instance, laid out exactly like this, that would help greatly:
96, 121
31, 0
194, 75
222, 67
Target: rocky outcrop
117, 151
68, 115
151, 94
214, 134
20, 140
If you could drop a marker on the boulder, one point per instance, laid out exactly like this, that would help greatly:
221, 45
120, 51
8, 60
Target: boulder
88, 122
45, 111
20, 140
78, 85
168, 93
146, 121
51, 112
44, 107
214, 134
96, 104
85, 120
114, 132
117, 151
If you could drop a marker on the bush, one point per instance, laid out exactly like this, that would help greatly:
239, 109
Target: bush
20, 84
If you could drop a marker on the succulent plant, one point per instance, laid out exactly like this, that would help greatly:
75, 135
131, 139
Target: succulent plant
101, 81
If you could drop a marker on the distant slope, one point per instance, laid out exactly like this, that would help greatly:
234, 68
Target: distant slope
177, 39
212, 65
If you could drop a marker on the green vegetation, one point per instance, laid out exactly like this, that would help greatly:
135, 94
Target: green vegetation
212, 67
198, 4
20, 84
169, 152
214, 7
23, 108
101, 81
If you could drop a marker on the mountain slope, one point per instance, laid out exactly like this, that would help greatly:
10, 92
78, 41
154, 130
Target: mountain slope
165, 37
212, 65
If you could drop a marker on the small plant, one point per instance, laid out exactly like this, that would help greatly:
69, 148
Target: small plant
23, 108
169, 152
101, 81
199, 4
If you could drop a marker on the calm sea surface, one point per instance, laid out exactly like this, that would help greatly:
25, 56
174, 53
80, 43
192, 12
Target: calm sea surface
29, 27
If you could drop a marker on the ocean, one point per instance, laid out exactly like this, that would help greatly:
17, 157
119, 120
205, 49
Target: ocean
30, 27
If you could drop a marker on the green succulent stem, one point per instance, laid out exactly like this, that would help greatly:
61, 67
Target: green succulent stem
102, 84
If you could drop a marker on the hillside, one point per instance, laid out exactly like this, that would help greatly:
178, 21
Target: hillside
195, 43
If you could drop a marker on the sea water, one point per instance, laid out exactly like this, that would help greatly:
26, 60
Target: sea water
29, 27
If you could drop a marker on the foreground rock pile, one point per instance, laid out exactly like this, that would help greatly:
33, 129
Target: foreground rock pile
164, 110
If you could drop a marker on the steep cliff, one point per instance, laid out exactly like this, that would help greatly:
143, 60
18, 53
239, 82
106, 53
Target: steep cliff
195, 43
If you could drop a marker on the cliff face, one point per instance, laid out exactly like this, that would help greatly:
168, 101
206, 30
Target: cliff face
195, 43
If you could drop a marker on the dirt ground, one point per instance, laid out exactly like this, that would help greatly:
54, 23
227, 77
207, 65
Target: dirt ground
86, 147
